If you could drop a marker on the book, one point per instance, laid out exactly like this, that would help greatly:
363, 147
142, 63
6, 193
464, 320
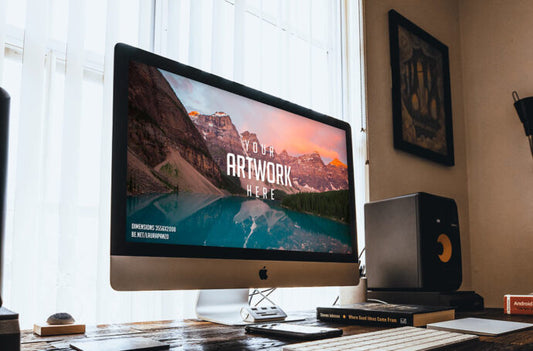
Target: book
6, 314
386, 315
518, 304
9, 322
9, 330
480, 326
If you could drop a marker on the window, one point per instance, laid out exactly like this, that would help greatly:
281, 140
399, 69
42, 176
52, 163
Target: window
57, 66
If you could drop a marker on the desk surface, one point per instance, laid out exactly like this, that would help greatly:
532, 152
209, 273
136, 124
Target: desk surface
197, 335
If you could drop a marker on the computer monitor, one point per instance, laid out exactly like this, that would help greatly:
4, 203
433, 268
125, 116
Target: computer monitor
216, 185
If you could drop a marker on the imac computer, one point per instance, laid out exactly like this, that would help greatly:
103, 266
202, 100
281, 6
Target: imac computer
219, 186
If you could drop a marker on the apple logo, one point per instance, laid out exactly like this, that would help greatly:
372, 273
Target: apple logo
263, 273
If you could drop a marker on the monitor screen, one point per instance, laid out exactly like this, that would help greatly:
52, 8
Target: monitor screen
207, 169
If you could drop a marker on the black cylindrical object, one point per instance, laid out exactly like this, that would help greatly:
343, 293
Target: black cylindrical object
4, 129
524, 108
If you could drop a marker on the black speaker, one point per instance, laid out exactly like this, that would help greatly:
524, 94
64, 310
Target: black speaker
413, 243
4, 128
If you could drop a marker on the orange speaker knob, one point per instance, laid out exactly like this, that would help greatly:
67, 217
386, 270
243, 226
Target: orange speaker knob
446, 254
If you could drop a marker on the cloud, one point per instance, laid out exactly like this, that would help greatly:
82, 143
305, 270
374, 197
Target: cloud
299, 136
282, 129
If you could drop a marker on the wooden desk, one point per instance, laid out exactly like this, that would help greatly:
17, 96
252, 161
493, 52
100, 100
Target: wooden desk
196, 335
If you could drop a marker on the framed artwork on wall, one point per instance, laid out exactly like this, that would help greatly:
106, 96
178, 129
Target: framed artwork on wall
421, 97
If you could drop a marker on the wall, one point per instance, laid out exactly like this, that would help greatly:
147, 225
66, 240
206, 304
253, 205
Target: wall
497, 59
393, 172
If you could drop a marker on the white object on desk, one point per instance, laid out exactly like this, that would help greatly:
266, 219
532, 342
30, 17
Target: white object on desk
480, 326
120, 344
404, 338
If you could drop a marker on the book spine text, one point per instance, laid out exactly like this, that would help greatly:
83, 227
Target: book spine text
362, 318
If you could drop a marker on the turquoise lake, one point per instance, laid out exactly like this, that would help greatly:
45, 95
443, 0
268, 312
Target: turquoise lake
231, 221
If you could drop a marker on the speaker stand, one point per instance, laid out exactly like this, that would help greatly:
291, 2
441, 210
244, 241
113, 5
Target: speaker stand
460, 300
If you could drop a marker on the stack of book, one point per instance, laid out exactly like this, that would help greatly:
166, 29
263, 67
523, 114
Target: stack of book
9, 330
386, 315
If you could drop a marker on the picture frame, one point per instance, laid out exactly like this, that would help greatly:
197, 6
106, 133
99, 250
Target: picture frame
421, 96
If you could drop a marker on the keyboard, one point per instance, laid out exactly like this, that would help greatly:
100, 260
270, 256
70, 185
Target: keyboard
397, 339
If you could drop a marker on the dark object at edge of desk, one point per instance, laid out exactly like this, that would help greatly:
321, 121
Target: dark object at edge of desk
9, 330
460, 300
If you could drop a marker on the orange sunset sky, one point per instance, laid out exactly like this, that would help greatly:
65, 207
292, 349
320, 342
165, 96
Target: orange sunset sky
279, 128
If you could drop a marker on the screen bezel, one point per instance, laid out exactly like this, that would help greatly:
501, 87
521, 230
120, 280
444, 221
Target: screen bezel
119, 245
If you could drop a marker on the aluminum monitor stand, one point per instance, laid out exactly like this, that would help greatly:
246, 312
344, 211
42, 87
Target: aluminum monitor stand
226, 306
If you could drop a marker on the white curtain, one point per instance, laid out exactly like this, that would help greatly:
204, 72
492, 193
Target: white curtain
56, 62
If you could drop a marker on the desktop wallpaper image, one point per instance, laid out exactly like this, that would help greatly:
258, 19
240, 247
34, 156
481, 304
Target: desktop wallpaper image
247, 174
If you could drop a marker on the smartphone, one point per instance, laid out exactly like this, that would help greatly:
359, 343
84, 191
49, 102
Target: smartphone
304, 332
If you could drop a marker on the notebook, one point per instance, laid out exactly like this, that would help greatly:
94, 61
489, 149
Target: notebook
120, 344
